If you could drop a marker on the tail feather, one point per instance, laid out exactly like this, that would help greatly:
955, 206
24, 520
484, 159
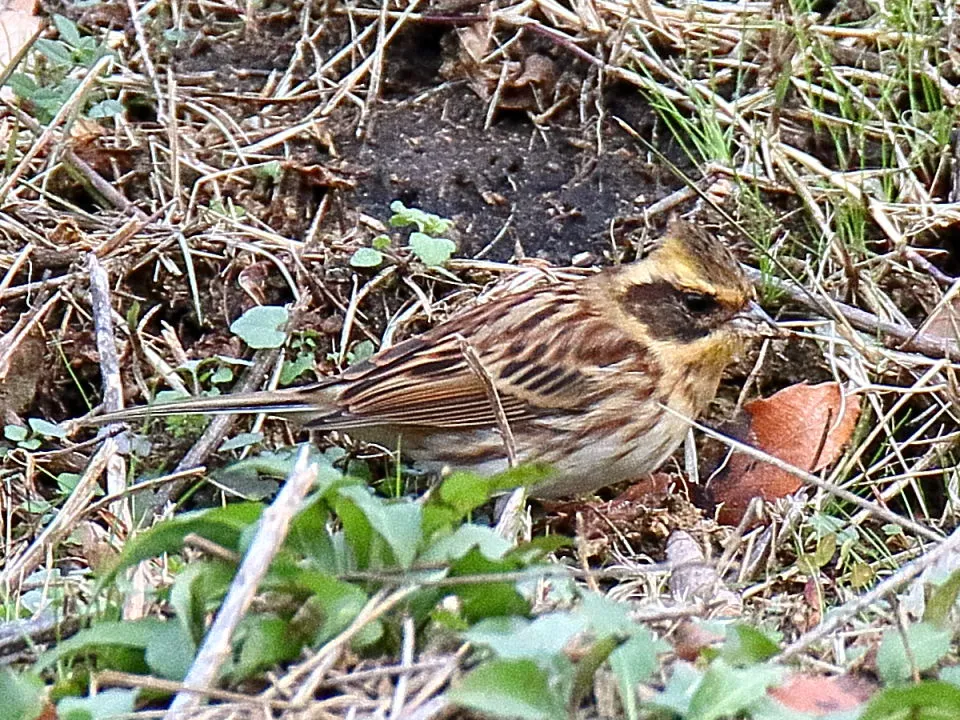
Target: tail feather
284, 402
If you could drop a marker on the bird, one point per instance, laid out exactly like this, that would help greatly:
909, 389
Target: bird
598, 377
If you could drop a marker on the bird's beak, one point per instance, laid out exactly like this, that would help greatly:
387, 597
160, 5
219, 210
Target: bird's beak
753, 320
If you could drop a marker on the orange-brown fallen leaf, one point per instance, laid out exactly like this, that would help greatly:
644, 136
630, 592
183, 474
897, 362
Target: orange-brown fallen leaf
820, 695
804, 425
17, 27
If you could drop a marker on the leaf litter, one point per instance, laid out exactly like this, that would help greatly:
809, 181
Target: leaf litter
257, 153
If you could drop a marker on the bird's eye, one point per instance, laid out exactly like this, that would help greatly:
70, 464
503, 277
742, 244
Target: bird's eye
700, 304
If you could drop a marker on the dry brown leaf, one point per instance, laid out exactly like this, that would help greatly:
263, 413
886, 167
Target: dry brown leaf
820, 695
692, 637
86, 132
517, 82
94, 544
17, 26
945, 321
20, 376
804, 425
644, 515
693, 577
253, 280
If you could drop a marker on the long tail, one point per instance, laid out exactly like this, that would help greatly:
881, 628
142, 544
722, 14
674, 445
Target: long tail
294, 401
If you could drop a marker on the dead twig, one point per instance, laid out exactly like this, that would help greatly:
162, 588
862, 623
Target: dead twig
62, 523
214, 433
510, 523
102, 310
901, 577
893, 335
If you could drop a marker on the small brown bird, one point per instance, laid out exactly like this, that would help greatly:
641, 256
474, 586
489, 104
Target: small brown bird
584, 370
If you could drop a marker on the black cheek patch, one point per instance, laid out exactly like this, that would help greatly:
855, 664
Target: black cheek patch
659, 306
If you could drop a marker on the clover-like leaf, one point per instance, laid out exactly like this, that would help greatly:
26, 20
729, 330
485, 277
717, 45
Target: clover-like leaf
426, 222
366, 258
260, 327
15, 433
105, 109
431, 250
46, 429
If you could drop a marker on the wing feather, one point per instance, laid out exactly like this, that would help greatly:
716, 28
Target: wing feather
546, 350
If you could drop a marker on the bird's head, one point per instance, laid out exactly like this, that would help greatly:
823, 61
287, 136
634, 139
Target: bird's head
689, 300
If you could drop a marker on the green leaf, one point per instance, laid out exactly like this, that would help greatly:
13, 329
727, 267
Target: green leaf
951, 674
438, 519
15, 433
310, 535
134, 634
929, 700
292, 369
240, 440
679, 691
335, 603
462, 540
261, 326
426, 222
248, 473
826, 549
366, 258
725, 691
265, 640
746, 645
222, 375
222, 525
942, 600
513, 638
277, 465
170, 652
539, 547
464, 491
606, 617
525, 475
167, 396
67, 482
55, 51
398, 523
634, 662
271, 169
489, 599
23, 695
67, 29
23, 85
361, 351
105, 704
928, 645
381, 242
197, 590
105, 109
46, 429
431, 250
509, 689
